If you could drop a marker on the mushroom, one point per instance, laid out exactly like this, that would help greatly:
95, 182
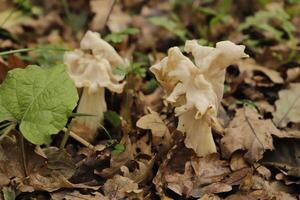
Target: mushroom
91, 68
196, 90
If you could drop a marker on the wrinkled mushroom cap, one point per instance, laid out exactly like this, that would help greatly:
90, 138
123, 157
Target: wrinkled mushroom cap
196, 90
92, 66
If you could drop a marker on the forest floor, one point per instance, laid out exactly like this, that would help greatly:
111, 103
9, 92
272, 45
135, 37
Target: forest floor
138, 152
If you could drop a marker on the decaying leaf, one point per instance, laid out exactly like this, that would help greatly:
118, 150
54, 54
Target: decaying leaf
120, 187
160, 132
101, 9
248, 131
288, 106
201, 175
40, 173
75, 195
249, 66
117, 160
286, 156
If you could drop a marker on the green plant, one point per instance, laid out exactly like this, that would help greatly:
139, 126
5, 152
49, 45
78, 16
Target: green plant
137, 68
38, 100
117, 37
172, 24
273, 24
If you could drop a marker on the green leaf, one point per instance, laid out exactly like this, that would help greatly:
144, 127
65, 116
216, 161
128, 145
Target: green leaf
119, 148
118, 37
8, 193
113, 118
40, 100
120, 70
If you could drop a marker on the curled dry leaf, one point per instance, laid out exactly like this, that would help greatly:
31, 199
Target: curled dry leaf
285, 157
41, 174
120, 187
195, 90
117, 160
288, 106
293, 74
198, 173
159, 130
141, 173
249, 66
75, 195
248, 131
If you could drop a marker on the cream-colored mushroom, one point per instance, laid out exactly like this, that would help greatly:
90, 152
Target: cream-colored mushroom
91, 68
196, 90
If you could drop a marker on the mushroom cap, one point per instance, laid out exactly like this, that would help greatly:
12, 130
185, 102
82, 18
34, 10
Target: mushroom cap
196, 90
94, 69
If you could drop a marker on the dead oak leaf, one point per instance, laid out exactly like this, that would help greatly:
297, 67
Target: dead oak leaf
288, 106
249, 66
120, 187
160, 132
248, 131
76, 195
101, 9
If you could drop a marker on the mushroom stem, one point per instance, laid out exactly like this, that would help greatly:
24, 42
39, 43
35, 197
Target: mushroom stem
92, 103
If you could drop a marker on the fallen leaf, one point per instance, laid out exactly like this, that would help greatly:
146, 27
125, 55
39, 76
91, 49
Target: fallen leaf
209, 169
293, 74
159, 130
286, 156
288, 106
248, 131
120, 187
237, 161
76, 195
101, 9
117, 160
249, 65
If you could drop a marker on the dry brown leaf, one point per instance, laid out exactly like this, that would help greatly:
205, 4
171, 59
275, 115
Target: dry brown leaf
120, 187
285, 157
248, 131
76, 195
101, 9
237, 161
182, 184
293, 74
288, 106
210, 197
249, 65
209, 169
118, 19
117, 160
160, 132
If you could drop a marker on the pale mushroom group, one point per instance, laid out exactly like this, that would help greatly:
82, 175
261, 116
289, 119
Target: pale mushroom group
196, 90
91, 68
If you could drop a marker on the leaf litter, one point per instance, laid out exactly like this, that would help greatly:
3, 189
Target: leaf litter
137, 149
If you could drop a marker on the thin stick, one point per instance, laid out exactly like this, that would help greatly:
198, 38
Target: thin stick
79, 139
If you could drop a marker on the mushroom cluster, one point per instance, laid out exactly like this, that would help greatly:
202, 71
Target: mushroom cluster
91, 68
196, 89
